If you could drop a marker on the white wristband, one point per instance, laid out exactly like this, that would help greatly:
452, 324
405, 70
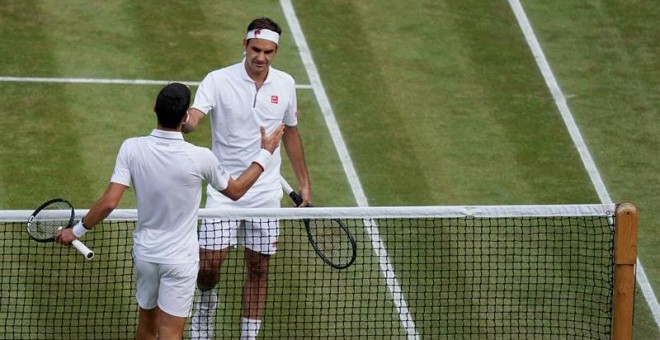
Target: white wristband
263, 158
79, 229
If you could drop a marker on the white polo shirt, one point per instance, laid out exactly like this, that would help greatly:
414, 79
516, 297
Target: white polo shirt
167, 173
237, 110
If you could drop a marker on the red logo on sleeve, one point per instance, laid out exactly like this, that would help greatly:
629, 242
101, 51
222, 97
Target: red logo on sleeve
274, 99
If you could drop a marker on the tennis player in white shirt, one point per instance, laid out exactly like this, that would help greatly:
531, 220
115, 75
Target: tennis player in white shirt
238, 98
167, 174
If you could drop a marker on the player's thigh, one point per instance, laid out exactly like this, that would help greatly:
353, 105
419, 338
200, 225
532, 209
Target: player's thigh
256, 262
261, 234
177, 288
216, 233
147, 281
210, 261
171, 327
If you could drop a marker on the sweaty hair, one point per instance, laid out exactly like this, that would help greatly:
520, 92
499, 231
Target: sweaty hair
264, 23
171, 105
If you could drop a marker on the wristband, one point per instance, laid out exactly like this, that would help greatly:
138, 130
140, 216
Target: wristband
79, 229
263, 158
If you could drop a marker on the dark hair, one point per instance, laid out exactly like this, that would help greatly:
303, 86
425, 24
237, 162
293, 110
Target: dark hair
264, 23
171, 105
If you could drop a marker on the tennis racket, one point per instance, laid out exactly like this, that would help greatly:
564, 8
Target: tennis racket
331, 239
51, 217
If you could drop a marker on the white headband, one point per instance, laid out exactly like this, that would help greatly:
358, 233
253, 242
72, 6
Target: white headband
263, 33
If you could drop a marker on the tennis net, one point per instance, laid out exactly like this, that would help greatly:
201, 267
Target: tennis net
421, 272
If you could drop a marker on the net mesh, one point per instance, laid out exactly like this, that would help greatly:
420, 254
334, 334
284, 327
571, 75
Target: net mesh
433, 274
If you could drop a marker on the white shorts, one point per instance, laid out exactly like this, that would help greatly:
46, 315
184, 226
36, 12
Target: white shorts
168, 286
260, 235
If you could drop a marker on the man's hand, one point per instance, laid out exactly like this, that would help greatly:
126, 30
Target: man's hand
272, 141
65, 237
305, 193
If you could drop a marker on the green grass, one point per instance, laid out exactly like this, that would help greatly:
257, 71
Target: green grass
440, 102
428, 94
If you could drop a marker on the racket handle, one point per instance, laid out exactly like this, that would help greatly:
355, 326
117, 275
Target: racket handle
285, 186
297, 199
88, 253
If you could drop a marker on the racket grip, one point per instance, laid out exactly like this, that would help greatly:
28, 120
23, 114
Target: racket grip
297, 199
88, 253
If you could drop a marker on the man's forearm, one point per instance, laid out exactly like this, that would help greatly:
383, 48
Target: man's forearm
296, 153
190, 124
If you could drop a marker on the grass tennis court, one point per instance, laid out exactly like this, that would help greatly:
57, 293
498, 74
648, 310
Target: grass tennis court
439, 102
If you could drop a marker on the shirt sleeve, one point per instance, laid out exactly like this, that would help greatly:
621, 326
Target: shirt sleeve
213, 172
204, 95
291, 114
122, 172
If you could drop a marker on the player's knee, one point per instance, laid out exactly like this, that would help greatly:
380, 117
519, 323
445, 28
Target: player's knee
207, 277
206, 280
258, 268
257, 275
210, 262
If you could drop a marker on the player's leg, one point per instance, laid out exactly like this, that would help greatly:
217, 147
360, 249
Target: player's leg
175, 298
203, 319
255, 290
147, 327
209, 270
147, 284
156, 324
215, 239
171, 327
260, 240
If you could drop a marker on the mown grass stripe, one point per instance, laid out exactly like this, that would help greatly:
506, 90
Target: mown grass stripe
371, 227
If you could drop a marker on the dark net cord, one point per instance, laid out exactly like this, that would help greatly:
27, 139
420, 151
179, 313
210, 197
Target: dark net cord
458, 278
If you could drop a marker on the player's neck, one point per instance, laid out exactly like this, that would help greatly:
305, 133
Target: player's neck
177, 129
258, 78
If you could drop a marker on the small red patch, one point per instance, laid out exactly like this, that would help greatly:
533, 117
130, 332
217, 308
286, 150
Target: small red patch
274, 99
274, 245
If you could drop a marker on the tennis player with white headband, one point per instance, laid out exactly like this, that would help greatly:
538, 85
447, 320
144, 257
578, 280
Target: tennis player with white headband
239, 99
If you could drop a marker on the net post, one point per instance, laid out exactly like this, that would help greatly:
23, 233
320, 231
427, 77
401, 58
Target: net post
625, 259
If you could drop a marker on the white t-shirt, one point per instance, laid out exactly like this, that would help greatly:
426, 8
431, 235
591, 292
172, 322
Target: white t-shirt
167, 173
237, 110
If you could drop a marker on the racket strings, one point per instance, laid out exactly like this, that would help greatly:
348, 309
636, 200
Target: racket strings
331, 240
46, 223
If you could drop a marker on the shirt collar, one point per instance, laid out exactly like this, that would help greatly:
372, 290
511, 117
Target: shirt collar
158, 133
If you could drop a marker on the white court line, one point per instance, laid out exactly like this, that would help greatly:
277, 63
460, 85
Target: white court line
329, 116
106, 81
588, 162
